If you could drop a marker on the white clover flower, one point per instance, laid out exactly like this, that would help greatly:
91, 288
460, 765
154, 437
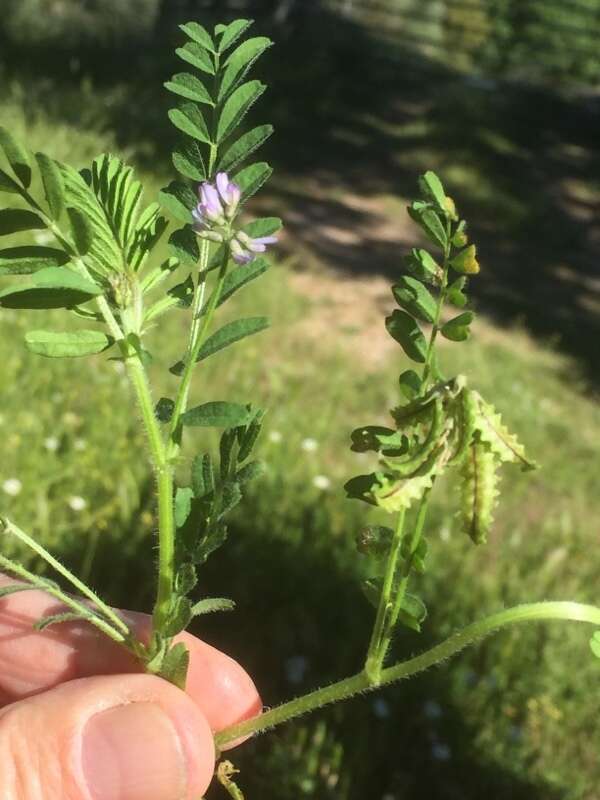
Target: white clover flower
309, 445
321, 482
275, 437
77, 503
12, 486
79, 444
51, 444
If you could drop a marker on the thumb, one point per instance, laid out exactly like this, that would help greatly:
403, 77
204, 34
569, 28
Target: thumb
119, 737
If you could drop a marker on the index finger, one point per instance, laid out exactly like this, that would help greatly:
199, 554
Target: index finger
32, 661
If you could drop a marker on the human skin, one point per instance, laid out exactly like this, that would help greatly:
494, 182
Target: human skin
79, 722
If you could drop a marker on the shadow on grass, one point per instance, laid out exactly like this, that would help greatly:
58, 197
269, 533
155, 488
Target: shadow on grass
301, 622
357, 122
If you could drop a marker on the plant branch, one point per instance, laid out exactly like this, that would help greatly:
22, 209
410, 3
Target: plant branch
344, 689
374, 659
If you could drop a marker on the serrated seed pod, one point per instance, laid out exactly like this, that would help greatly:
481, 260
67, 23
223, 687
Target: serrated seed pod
478, 491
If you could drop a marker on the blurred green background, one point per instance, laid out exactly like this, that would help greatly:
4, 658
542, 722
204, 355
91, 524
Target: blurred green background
501, 98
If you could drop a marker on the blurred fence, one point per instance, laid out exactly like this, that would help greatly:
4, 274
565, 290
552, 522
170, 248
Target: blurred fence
534, 40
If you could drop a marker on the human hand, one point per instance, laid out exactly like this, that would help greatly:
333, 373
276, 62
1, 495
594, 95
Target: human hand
78, 723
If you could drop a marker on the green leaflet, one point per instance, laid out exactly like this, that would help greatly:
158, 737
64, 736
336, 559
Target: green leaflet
187, 160
57, 287
412, 296
147, 232
412, 612
82, 230
184, 246
29, 259
232, 32
405, 330
175, 664
182, 506
423, 266
478, 491
263, 226
239, 63
595, 644
15, 220
179, 199
7, 184
430, 223
238, 278
230, 333
431, 187
188, 118
53, 184
199, 34
118, 193
67, 345
374, 540
237, 106
211, 604
457, 329
251, 178
410, 384
17, 157
494, 433
455, 294
190, 87
197, 56
203, 478
104, 253
244, 147
217, 414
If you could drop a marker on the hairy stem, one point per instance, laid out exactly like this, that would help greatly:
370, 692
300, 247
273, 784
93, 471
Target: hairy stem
117, 634
198, 336
6, 526
403, 583
344, 689
375, 655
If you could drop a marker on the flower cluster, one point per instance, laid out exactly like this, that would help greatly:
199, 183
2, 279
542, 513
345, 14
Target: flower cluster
214, 214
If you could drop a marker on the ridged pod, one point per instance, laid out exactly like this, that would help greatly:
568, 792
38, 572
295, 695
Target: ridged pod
465, 408
478, 491
500, 440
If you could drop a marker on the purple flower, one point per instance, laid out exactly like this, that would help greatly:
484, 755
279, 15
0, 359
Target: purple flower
244, 248
230, 193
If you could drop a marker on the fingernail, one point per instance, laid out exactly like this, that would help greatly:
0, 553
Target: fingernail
133, 752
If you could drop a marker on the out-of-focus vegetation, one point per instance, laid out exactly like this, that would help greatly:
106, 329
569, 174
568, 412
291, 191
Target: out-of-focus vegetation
514, 718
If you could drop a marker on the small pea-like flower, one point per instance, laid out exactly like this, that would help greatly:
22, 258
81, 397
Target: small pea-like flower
244, 248
230, 193
214, 214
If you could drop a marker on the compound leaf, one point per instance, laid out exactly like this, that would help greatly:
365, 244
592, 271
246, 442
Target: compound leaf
230, 333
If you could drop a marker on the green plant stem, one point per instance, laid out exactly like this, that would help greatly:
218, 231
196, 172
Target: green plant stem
6, 526
375, 656
344, 689
197, 339
392, 618
438, 315
116, 634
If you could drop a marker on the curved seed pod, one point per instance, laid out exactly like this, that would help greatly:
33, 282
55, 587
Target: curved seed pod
464, 420
500, 440
395, 493
406, 467
478, 491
